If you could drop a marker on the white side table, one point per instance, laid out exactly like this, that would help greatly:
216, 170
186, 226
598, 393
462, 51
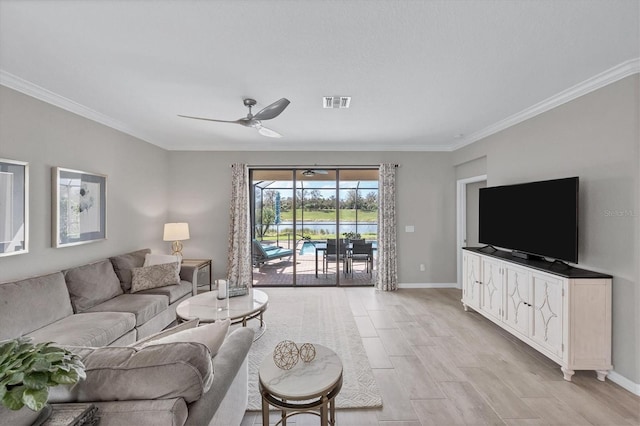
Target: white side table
316, 383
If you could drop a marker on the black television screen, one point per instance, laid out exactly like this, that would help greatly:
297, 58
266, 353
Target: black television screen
539, 218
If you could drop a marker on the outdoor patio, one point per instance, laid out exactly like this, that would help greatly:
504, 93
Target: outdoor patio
280, 272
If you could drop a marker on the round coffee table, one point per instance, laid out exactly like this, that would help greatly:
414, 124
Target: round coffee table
208, 308
309, 387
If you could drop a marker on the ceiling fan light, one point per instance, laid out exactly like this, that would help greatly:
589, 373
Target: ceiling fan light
308, 173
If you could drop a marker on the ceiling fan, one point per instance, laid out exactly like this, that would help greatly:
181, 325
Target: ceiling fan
255, 121
313, 172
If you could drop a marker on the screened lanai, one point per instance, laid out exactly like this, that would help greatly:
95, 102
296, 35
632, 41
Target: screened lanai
314, 221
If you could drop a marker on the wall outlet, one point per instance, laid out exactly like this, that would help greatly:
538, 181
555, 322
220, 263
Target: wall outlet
409, 228
422, 267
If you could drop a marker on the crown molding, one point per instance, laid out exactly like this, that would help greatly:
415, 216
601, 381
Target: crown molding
28, 88
293, 146
596, 82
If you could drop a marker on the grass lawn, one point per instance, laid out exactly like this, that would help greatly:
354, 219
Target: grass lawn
347, 215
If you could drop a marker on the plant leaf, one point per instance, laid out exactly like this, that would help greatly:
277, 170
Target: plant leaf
36, 380
40, 364
15, 378
35, 398
64, 377
13, 399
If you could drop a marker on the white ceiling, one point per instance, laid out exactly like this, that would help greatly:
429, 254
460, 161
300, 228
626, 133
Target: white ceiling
421, 73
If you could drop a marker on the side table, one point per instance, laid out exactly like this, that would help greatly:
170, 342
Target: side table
308, 387
204, 267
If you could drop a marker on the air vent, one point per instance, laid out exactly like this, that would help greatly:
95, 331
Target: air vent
336, 101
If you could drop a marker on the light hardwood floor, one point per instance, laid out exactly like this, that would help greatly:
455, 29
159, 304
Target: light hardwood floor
438, 365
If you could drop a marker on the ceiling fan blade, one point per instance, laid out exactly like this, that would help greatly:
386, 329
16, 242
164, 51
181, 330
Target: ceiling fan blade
320, 172
268, 132
273, 110
210, 119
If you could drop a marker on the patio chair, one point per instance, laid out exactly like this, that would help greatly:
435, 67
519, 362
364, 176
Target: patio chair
362, 252
334, 253
262, 254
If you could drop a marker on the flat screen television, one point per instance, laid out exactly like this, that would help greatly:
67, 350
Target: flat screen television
535, 218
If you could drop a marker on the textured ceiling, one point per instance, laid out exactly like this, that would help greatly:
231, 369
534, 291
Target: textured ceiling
424, 75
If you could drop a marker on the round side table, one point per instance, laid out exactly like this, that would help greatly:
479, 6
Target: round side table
309, 387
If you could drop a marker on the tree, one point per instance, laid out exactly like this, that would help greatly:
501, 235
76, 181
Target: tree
268, 219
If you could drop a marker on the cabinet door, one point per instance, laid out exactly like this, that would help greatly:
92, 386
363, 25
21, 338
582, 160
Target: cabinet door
491, 302
517, 308
546, 328
471, 280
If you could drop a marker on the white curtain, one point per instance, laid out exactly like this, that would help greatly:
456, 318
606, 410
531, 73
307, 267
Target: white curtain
239, 261
387, 274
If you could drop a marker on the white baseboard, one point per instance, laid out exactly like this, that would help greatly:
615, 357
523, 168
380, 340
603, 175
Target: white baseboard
624, 382
428, 285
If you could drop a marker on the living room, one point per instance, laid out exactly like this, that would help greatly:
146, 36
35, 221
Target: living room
587, 128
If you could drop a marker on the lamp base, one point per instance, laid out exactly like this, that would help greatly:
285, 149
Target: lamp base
176, 246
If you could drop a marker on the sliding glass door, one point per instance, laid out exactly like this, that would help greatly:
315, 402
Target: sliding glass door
304, 221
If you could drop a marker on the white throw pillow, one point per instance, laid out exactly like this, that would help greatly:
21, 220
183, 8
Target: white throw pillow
210, 335
160, 259
164, 333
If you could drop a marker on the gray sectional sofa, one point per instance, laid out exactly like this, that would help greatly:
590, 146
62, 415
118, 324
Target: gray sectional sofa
92, 306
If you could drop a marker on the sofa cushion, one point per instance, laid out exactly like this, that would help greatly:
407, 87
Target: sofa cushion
30, 304
210, 335
123, 264
92, 284
143, 306
154, 276
173, 370
86, 329
173, 292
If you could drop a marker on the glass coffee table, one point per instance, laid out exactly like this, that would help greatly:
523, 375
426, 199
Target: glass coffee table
208, 308
308, 387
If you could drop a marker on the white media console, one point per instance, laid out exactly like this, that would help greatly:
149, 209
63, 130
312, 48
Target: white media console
561, 311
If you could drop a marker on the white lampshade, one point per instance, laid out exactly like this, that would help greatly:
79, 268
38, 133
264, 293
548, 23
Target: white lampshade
176, 231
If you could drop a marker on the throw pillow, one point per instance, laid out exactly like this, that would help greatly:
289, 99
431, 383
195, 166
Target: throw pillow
164, 333
210, 335
154, 276
159, 259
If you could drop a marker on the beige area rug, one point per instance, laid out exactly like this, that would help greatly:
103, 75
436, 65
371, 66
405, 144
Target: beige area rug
323, 316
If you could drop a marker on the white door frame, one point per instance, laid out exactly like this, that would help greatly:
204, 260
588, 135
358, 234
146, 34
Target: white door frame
461, 218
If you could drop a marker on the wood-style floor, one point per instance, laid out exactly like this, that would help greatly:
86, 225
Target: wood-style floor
438, 365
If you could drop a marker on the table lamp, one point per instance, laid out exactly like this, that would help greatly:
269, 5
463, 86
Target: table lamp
176, 232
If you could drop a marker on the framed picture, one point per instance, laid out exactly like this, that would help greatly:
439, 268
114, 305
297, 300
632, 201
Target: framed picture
14, 207
79, 207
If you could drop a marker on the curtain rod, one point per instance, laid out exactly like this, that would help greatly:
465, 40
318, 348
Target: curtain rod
328, 166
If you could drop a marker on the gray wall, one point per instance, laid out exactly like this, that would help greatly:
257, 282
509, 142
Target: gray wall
46, 137
594, 137
425, 199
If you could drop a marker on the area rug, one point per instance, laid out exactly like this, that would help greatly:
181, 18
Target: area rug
323, 316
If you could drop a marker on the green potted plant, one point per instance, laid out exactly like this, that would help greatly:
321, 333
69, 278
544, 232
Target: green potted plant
28, 370
351, 236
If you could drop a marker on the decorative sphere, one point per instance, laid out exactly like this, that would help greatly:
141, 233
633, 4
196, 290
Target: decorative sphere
285, 355
307, 352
